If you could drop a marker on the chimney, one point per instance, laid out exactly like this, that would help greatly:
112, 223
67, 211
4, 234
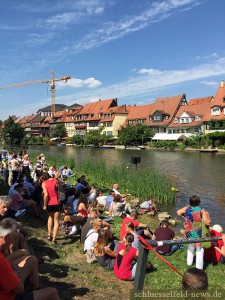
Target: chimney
222, 84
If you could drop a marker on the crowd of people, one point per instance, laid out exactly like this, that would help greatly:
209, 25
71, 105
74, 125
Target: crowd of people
82, 209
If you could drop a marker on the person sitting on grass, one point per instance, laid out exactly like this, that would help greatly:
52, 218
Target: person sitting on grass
211, 255
222, 249
16, 277
104, 251
92, 237
19, 203
118, 206
141, 229
125, 264
82, 206
164, 233
20, 239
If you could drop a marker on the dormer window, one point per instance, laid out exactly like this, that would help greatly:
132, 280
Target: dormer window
175, 120
215, 111
166, 117
197, 118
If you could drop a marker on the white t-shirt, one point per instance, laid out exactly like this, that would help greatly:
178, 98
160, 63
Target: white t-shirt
91, 239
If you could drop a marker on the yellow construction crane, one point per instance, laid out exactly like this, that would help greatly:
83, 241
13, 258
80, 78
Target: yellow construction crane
52, 86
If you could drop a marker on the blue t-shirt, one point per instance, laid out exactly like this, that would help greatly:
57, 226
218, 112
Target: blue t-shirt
108, 201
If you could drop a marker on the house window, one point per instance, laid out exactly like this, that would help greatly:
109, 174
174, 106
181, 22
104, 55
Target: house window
167, 117
215, 111
197, 119
157, 118
175, 120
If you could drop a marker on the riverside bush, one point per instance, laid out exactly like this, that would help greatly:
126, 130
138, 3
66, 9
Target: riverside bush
145, 184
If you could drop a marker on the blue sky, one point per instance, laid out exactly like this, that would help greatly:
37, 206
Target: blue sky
133, 50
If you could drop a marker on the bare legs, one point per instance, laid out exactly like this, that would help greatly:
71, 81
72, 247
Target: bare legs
53, 224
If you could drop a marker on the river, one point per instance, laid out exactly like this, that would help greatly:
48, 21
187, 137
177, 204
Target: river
191, 172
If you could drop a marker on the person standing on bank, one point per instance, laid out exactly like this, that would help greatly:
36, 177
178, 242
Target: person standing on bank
52, 205
193, 215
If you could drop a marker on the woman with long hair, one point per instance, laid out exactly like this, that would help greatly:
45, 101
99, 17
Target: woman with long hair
82, 206
52, 205
26, 165
125, 264
105, 252
193, 215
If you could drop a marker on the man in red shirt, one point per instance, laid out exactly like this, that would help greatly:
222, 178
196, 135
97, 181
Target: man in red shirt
12, 278
142, 229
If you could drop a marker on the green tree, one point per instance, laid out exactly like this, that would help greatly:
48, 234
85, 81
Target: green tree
139, 134
12, 132
92, 137
59, 131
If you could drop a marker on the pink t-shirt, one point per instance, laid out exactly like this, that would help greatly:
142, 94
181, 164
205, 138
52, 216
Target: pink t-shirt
17, 200
123, 264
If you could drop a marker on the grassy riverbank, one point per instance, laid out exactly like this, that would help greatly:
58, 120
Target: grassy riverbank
66, 269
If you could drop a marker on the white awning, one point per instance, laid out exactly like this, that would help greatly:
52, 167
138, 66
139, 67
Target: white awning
171, 136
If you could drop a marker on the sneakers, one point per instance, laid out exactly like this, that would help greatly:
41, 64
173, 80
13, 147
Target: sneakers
151, 268
20, 213
73, 230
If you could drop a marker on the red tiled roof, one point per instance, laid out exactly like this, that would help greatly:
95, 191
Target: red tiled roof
202, 110
200, 100
139, 112
95, 108
168, 105
220, 96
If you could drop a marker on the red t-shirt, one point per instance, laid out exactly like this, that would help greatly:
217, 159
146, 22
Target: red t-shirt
123, 230
124, 270
8, 280
53, 191
210, 254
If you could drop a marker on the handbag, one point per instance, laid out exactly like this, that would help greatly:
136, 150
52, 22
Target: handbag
205, 233
90, 256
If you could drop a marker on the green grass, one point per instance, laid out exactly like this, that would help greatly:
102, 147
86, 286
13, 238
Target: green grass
68, 271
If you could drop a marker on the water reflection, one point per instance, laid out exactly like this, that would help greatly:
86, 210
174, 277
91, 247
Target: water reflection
191, 172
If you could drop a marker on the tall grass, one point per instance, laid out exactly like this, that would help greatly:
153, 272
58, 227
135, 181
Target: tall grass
145, 184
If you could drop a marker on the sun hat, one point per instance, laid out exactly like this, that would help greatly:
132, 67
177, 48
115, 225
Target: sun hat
218, 228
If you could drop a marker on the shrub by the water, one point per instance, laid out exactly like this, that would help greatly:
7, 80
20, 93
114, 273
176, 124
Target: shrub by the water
145, 184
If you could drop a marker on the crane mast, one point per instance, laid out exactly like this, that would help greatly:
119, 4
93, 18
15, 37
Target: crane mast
52, 86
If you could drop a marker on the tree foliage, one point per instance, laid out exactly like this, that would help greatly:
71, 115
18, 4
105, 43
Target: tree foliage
12, 132
59, 131
138, 134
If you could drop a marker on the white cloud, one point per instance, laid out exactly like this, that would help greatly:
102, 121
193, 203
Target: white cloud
79, 83
111, 31
150, 71
209, 83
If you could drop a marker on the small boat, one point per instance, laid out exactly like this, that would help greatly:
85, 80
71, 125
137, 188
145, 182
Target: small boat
209, 150
133, 148
61, 144
107, 147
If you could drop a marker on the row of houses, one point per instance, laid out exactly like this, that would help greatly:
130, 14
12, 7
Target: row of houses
166, 115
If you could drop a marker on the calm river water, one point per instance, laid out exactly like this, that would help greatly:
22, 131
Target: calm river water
197, 173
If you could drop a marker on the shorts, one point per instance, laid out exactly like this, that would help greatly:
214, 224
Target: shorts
25, 296
54, 208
